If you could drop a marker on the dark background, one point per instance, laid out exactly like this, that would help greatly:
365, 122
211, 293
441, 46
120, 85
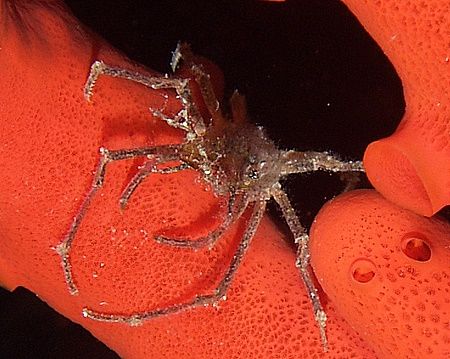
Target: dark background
312, 76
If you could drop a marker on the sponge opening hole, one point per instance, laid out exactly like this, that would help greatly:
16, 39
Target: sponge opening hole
363, 270
415, 246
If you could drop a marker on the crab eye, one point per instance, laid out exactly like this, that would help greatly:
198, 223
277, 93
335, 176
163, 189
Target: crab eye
253, 174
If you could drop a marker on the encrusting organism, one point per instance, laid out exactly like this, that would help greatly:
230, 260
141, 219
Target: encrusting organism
232, 155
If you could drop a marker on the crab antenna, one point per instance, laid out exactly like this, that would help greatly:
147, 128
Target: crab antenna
310, 161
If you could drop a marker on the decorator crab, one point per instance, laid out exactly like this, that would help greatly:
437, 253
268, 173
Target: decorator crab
232, 155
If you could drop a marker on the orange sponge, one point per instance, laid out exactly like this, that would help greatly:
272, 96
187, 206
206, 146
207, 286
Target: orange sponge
387, 271
50, 138
412, 167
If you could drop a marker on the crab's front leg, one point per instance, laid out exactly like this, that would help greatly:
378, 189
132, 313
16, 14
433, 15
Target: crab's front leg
188, 119
184, 54
311, 161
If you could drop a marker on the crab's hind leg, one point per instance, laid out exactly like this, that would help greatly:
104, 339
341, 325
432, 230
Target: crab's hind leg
147, 169
200, 300
303, 255
107, 156
234, 212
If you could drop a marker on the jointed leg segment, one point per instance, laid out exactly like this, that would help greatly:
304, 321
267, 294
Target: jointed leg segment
200, 300
311, 161
234, 212
148, 169
188, 119
184, 53
107, 156
301, 238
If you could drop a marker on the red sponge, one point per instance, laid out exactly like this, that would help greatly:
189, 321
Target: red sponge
50, 137
387, 271
412, 167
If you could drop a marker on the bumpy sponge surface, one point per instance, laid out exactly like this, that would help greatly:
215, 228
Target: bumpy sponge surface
50, 137
387, 271
411, 168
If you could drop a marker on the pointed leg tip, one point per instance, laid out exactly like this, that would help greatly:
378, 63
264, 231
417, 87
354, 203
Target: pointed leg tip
123, 204
74, 291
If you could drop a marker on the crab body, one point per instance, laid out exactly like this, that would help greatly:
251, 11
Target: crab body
238, 157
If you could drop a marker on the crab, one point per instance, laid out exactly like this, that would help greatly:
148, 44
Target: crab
233, 156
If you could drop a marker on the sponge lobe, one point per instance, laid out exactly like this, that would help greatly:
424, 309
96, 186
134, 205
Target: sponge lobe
386, 270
